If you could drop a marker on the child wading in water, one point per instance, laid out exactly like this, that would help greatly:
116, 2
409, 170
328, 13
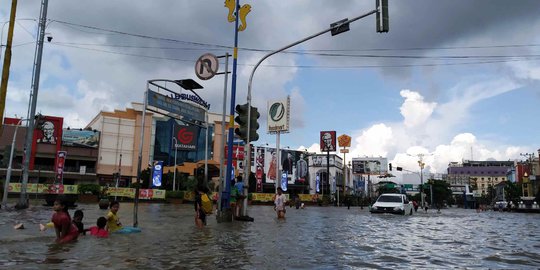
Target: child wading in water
100, 230
113, 222
66, 231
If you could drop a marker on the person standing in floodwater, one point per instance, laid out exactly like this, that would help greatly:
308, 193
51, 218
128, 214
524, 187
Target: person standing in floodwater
279, 203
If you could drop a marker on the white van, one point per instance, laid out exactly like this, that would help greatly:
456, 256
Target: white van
393, 204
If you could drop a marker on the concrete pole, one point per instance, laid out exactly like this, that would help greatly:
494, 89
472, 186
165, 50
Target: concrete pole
23, 201
8, 174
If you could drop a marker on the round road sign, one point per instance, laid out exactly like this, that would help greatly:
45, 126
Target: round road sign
206, 66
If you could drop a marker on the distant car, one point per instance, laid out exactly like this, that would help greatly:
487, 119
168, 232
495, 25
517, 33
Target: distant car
393, 204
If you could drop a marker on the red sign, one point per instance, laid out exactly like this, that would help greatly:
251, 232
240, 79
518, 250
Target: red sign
12, 121
238, 152
48, 131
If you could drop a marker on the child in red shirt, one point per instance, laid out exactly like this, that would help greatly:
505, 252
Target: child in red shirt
100, 230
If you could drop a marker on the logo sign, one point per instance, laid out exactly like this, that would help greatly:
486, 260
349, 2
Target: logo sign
157, 172
279, 115
192, 98
186, 137
344, 141
206, 66
328, 141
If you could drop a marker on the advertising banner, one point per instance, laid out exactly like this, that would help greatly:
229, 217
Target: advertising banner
157, 173
271, 165
145, 194
185, 137
44, 188
259, 168
60, 162
328, 141
80, 138
284, 180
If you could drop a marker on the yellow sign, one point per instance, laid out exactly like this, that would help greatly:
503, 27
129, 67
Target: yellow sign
344, 141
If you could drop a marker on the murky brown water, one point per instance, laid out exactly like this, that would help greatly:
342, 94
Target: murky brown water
313, 238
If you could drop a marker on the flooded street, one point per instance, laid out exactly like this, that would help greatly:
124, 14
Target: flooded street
312, 238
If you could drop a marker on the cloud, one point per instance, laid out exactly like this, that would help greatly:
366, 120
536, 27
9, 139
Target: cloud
414, 109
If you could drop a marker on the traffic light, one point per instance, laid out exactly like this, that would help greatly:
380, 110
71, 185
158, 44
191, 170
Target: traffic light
382, 16
390, 166
242, 120
399, 168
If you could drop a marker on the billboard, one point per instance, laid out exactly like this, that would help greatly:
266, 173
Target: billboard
80, 138
328, 141
370, 165
320, 161
187, 111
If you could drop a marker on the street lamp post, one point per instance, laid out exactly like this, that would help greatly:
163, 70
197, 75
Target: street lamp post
421, 164
8, 173
174, 173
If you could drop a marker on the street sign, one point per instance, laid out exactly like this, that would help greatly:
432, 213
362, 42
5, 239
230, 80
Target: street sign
206, 66
344, 150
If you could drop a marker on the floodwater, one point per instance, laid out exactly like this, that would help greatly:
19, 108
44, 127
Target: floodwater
311, 238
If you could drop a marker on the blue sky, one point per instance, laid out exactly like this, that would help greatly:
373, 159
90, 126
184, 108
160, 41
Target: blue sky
451, 80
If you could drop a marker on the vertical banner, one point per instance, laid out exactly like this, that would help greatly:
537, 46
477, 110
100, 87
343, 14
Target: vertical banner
157, 172
59, 166
259, 168
301, 169
284, 181
317, 184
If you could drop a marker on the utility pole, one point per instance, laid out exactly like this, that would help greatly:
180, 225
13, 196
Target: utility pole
23, 201
7, 63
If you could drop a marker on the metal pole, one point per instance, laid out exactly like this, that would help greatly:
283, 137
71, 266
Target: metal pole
226, 193
174, 173
280, 50
8, 174
139, 162
222, 149
206, 151
23, 201
278, 176
327, 169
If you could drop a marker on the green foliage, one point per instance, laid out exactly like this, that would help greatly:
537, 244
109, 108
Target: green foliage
189, 183
94, 189
178, 194
512, 192
441, 191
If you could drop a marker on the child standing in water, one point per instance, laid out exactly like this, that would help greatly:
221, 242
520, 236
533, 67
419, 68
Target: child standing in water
66, 231
77, 220
100, 230
113, 222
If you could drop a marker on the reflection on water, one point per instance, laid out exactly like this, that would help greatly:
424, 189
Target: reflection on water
313, 238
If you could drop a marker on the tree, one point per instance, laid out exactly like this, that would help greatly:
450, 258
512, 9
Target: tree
512, 192
441, 191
